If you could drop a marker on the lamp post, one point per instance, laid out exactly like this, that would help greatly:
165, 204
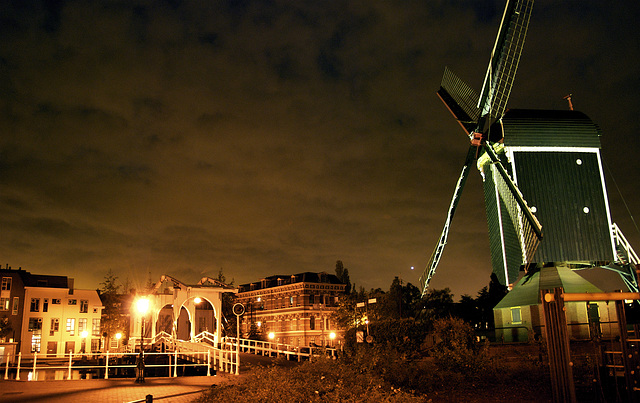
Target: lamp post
143, 306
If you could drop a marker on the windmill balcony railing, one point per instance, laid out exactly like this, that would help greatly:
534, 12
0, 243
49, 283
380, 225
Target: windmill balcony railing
622, 242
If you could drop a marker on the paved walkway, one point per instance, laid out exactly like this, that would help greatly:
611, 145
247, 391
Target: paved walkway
178, 390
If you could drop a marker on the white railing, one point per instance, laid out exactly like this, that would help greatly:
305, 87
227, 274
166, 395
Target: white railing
621, 241
117, 364
288, 351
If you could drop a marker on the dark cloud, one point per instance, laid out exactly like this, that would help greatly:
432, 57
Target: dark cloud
268, 137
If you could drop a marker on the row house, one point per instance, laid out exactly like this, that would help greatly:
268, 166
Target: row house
46, 314
293, 309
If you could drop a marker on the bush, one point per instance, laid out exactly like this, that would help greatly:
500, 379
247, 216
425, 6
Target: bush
455, 347
319, 381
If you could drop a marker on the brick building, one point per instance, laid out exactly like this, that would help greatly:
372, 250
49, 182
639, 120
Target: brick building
295, 308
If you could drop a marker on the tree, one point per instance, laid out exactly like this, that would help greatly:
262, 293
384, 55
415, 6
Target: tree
488, 298
343, 274
112, 320
5, 326
437, 304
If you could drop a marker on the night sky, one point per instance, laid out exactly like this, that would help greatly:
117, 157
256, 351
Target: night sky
276, 137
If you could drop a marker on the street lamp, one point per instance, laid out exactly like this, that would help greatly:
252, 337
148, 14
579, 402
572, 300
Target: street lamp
332, 336
143, 306
271, 337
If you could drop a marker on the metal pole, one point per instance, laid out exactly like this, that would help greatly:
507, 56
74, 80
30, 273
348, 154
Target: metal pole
70, 357
208, 362
106, 369
237, 344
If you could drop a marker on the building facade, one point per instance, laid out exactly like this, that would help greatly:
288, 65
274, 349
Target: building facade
295, 309
46, 314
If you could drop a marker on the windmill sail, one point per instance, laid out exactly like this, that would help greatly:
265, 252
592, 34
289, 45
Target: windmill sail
524, 222
504, 60
430, 270
476, 113
460, 99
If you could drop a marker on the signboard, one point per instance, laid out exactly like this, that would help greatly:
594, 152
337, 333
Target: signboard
359, 336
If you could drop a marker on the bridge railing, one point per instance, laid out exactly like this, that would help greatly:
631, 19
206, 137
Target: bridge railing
101, 365
288, 351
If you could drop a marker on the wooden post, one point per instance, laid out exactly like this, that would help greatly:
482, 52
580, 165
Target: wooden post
560, 364
624, 348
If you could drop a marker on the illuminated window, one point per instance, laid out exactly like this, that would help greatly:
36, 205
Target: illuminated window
6, 283
312, 323
516, 315
96, 327
71, 326
35, 343
45, 305
82, 325
4, 304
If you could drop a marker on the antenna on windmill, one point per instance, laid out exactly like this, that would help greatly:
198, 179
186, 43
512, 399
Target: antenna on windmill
568, 98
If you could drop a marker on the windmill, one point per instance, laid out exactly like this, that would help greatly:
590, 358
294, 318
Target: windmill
552, 156
475, 114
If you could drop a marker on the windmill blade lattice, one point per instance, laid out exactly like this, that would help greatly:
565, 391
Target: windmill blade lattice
505, 58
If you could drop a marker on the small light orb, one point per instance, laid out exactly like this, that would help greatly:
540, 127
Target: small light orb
579, 161
586, 210
197, 300
534, 209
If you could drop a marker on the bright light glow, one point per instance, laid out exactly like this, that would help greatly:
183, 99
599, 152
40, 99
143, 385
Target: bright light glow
332, 335
118, 336
84, 334
534, 209
586, 210
259, 299
142, 305
197, 300
271, 335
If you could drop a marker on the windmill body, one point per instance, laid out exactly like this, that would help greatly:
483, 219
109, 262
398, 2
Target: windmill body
554, 158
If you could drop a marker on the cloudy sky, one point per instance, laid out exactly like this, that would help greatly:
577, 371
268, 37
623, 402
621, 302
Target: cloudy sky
275, 137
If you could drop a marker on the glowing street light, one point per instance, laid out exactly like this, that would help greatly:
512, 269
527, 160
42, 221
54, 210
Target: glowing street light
142, 305
197, 300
